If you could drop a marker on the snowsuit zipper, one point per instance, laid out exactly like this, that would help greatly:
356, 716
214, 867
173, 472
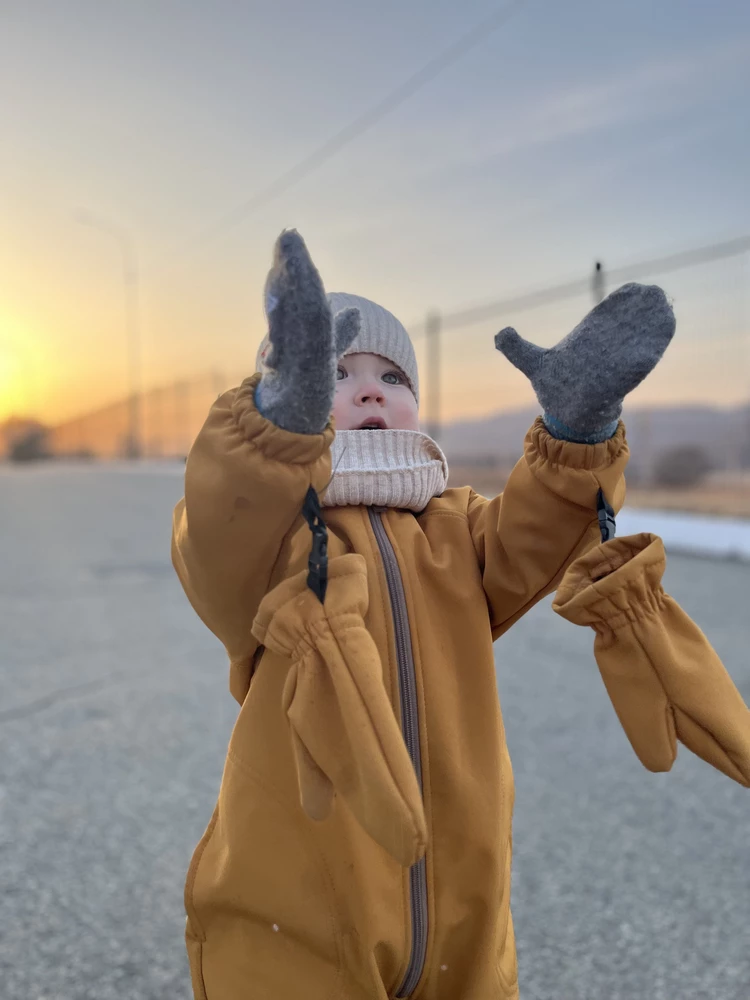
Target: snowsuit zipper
410, 727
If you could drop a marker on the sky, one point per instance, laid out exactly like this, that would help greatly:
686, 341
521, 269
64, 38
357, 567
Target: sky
576, 131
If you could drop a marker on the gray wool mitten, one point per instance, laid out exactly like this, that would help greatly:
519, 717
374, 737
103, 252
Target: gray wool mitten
582, 381
297, 393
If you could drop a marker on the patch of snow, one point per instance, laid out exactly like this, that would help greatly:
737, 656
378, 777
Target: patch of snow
690, 534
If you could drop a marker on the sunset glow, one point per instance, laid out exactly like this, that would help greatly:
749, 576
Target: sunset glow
14, 387
564, 139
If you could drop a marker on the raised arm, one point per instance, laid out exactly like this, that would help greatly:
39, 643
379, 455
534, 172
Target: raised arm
248, 472
547, 514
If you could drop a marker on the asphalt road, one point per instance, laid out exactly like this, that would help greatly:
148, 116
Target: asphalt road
114, 720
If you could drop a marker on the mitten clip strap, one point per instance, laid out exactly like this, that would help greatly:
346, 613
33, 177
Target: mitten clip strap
317, 576
607, 523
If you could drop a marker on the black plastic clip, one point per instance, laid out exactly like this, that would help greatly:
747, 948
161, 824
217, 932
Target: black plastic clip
607, 524
317, 576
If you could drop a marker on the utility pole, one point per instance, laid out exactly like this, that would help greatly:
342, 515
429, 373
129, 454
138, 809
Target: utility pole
598, 289
433, 327
153, 404
134, 444
219, 382
182, 413
744, 458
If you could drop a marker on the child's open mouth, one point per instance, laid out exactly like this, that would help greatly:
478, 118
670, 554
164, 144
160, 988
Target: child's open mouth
372, 424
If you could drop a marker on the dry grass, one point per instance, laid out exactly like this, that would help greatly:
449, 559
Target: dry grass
727, 496
725, 500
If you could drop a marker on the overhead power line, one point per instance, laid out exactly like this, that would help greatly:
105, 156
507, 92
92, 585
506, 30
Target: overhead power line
363, 122
558, 293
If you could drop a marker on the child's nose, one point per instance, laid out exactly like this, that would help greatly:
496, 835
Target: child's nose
369, 392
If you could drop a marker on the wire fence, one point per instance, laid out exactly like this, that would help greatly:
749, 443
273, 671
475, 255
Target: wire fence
170, 417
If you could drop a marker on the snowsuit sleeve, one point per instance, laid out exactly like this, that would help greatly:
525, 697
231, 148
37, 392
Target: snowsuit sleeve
546, 516
245, 483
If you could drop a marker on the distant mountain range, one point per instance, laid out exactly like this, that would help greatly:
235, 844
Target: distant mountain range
495, 440
723, 432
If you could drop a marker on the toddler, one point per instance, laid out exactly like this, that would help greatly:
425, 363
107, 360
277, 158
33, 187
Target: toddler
360, 848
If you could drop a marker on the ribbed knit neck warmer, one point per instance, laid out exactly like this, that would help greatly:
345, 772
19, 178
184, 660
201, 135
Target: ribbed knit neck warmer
388, 468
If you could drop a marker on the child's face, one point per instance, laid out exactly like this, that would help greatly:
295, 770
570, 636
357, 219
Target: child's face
371, 390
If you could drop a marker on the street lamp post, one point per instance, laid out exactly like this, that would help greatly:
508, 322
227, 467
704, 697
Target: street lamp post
598, 283
434, 415
130, 276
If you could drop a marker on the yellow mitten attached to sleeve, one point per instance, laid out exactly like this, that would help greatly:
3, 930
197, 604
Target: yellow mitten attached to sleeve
664, 679
344, 732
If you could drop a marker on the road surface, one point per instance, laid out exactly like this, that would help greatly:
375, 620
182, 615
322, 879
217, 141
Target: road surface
114, 721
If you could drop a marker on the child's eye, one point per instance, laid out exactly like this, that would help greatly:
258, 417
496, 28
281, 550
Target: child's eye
393, 378
340, 373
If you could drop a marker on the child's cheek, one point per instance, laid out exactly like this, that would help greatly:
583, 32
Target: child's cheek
339, 410
343, 412
406, 414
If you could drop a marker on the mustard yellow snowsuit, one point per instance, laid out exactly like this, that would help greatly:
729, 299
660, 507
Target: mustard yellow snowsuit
360, 848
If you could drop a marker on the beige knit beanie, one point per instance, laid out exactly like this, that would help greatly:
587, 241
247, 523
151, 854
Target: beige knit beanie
380, 333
